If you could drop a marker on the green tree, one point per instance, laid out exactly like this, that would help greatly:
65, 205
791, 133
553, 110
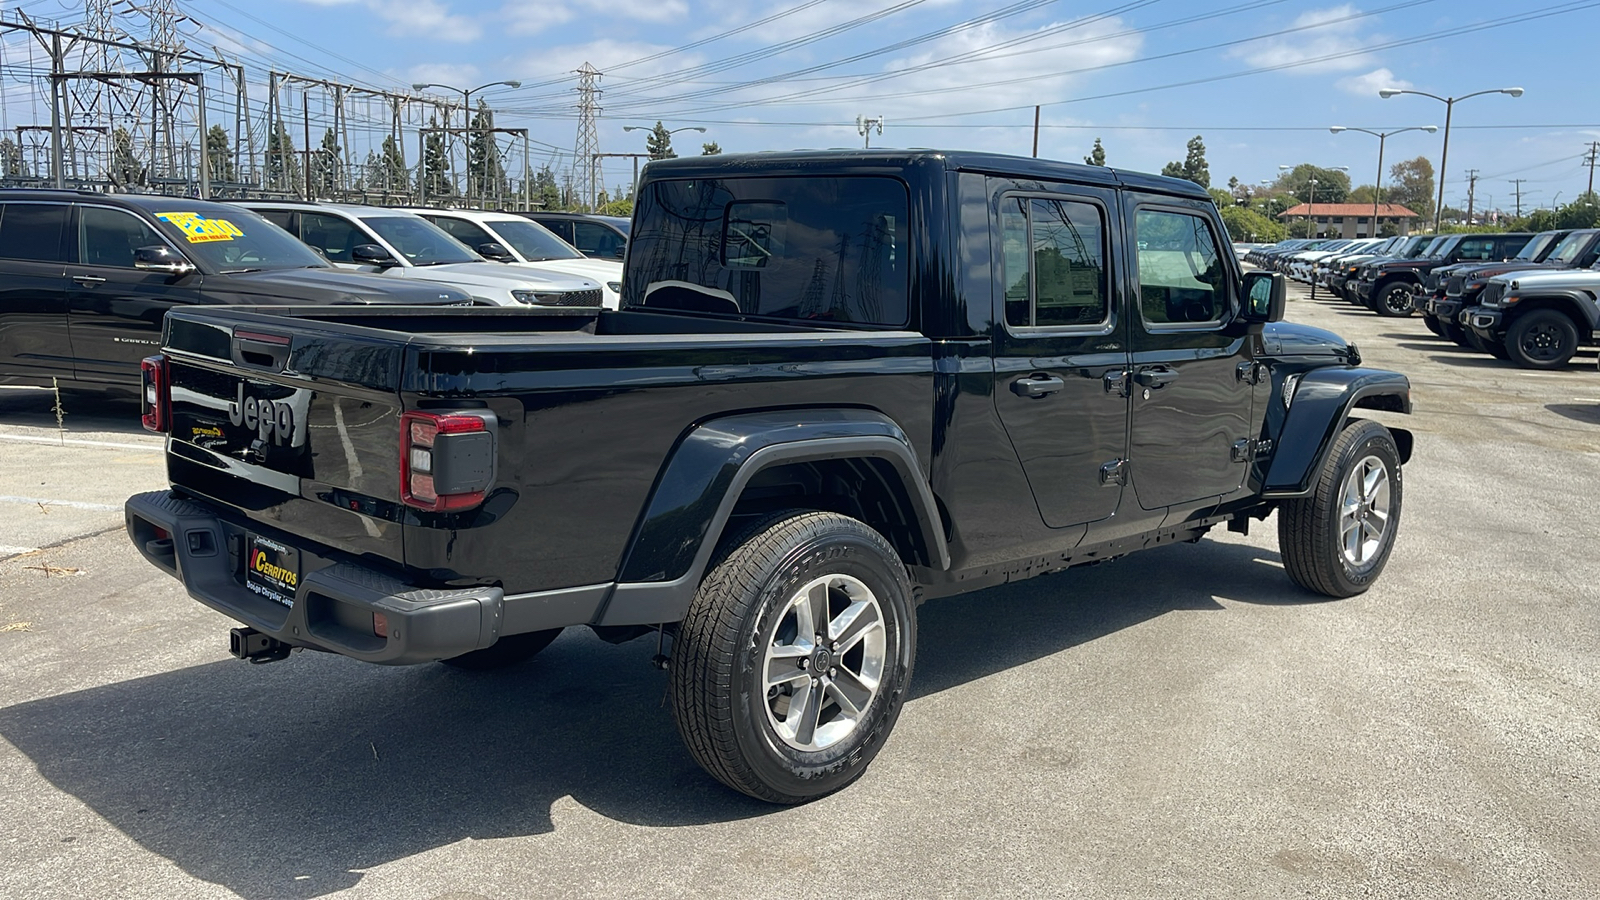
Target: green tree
125, 165
392, 173
1222, 198
1411, 185
1363, 193
1194, 166
546, 192
1097, 156
486, 176
11, 156
1245, 224
218, 156
710, 148
434, 177
325, 166
283, 167
659, 143
1332, 186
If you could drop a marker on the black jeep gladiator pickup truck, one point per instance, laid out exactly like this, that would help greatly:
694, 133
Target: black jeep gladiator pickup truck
840, 384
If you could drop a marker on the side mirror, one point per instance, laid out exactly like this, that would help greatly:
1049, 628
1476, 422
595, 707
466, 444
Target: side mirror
372, 255
1266, 295
161, 258
496, 251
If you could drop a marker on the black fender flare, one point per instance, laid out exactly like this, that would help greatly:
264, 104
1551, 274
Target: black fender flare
1323, 401
701, 482
1575, 304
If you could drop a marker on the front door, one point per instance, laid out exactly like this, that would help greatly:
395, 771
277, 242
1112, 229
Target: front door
1059, 348
1193, 369
33, 291
116, 309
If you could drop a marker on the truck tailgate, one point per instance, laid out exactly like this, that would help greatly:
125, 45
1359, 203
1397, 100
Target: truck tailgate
293, 426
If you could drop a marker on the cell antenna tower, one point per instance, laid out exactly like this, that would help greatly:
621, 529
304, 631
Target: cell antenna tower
588, 148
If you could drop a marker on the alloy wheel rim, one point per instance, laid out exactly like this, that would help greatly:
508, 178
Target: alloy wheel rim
1543, 342
1364, 511
824, 662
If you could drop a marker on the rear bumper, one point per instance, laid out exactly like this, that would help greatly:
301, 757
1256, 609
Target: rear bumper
334, 602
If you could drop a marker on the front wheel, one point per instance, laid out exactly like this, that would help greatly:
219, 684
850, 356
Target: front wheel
1542, 339
1395, 301
791, 666
1336, 541
1434, 325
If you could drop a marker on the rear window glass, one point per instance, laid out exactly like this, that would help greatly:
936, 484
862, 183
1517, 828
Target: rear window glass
32, 231
825, 249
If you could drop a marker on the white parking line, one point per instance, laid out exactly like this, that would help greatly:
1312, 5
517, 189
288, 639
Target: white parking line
15, 551
70, 504
52, 442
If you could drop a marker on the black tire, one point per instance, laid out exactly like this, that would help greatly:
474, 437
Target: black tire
1394, 300
1434, 325
1478, 342
1456, 333
508, 651
1310, 535
1542, 339
722, 699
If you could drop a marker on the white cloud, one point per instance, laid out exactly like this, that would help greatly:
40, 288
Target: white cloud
1369, 84
464, 74
1324, 35
638, 10
421, 19
532, 18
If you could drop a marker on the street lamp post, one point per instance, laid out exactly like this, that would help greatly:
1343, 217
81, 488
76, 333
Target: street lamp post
466, 104
652, 128
1444, 152
1377, 186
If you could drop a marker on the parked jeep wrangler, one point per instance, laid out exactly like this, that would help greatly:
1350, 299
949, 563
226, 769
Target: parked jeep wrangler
839, 384
1537, 319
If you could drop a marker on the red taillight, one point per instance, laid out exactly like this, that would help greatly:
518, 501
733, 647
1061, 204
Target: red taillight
155, 394
446, 459
380, 624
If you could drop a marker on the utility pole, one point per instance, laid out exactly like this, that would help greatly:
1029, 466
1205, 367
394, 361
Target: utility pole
865, 124
1517, 184
588, 147
1594, 152
1472, 185
1035, 131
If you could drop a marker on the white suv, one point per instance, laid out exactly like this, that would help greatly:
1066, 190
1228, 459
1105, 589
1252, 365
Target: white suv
522, 242
399, 244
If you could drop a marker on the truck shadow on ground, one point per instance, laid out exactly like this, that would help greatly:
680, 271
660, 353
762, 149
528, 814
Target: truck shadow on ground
289, 780
82, 412
1587, 413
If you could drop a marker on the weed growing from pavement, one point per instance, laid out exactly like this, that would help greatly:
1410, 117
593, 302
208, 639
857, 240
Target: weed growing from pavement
61, 414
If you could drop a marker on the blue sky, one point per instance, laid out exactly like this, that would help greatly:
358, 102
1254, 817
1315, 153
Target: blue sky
1142, 76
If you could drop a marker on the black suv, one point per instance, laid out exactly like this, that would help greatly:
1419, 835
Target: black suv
85, 278
597, 237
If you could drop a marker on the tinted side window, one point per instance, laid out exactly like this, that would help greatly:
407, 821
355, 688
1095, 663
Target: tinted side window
811, 248
1054, 257
597, 240
283, 218
560, 227
465, 232
1181, 276
332, 235
1475, 248
108, 237
32, 231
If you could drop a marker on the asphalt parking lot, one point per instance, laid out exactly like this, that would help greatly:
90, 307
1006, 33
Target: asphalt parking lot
1180, 723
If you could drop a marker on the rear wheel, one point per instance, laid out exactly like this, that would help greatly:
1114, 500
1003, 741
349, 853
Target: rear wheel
1336, 541
508, 651
1395, 300
789, 670
1542, 339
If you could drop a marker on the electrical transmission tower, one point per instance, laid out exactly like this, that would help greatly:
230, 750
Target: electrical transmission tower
588, 148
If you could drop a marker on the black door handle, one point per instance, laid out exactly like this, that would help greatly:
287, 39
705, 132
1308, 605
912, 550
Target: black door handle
1036, 386
1155, 376
88, 280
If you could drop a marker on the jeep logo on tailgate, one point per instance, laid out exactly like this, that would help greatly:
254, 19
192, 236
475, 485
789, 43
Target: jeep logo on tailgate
271, 420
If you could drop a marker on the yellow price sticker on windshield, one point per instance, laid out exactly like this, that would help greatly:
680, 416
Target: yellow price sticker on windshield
199, 229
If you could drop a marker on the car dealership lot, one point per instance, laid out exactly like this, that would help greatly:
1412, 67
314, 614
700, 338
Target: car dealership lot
1107, 732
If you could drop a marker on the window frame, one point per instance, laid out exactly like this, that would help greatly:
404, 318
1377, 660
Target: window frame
1106, 325
81, 245
1230, 306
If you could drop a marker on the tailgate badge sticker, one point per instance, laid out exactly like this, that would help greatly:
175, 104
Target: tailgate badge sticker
270, 420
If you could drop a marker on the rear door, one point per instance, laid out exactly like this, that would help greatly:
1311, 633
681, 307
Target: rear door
116, 309
598, 241
469, 233
33, 290
1060, 352
1193, 361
